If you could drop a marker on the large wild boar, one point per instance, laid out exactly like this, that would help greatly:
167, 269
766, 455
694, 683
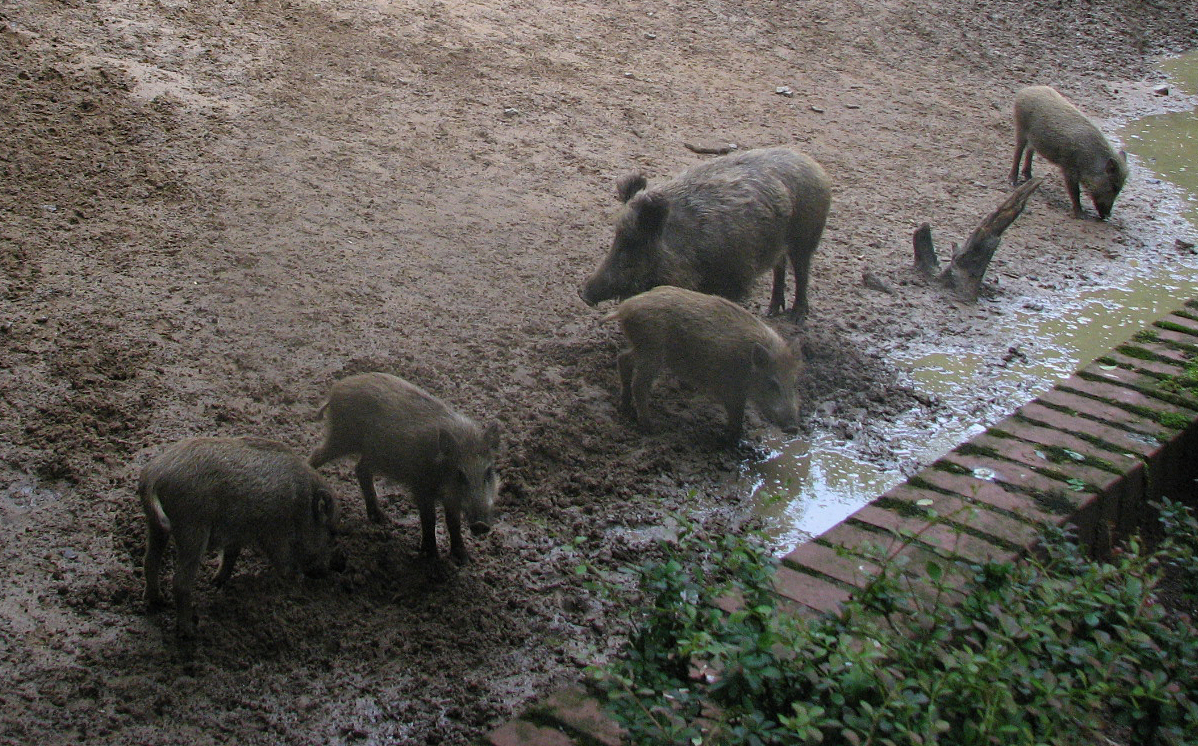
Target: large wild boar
711, 342
717, 226
226, 493
1046, 123
409, 435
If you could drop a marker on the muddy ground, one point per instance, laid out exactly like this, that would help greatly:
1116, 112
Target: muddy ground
209, 211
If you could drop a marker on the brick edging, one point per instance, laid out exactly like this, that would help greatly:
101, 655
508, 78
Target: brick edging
1091, 453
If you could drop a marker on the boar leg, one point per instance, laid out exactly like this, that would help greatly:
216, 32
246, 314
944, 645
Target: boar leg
643, 376
778, 296
1074, 189
626, 362
228, 557
1027, 163
366, 482
1020, 145
156, 540
453, 521
427, 505
801, 261
734, 406
191, 546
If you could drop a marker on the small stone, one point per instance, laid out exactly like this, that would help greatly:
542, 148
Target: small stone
784, 90
710, 147
510, 112
1161, 90
70, 554
1183, 245
817, 109
627, 75
852, 106
873, 282
650, 35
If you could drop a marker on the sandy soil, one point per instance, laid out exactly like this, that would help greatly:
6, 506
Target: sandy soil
209, 211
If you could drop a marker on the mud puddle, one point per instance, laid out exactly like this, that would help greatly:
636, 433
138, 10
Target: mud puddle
806, 487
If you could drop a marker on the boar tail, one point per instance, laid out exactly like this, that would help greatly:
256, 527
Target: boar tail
320, 412
153, 507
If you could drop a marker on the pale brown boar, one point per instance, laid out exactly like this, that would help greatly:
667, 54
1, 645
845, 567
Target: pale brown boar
716, 227
226, 493
1046, 123
713, 343
411, 436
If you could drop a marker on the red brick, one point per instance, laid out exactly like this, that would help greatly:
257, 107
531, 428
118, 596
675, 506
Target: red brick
579, 711
1130, 494
941, 536
524, 733
1127, 441
1122, 376
849, 535
1183, 321
1109, 413
1052, 437
1179, 338
818, 594
1120, 395
1090, 509
856, 539
853, 571
977, 517
1152, 366
992, 494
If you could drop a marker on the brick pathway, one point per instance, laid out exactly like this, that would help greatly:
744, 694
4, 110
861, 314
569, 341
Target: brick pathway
1091, 452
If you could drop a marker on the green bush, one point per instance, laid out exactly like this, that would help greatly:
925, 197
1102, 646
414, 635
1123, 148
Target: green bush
1052, 650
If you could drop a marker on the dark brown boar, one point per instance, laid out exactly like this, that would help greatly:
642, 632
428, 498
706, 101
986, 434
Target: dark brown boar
226, 493
1046, 123
411, 436
711, 342
717, 226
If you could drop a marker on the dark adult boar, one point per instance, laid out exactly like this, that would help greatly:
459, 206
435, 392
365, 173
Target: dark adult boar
716, 227
223, 494
411, 436
711, 342
1046, 123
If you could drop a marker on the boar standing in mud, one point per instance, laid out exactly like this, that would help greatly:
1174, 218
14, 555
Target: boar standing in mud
711, 342
1046, 123
226, 493
716, 227
404, 433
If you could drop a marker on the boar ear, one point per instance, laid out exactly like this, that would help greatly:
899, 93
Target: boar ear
629, 184
447, 446
761, 356
324, 508
1114, 167
491, 437
651, 211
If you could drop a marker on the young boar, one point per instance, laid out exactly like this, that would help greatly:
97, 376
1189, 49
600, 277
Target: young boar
404, 433
225, 493
716, 227
1046, 123
715, 344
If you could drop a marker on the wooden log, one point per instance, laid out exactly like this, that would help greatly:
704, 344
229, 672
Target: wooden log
965, 272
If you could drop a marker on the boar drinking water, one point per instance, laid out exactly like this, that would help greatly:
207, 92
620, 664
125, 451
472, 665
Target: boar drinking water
1046, 123
715, 344
404, 433
225, 493
716, 227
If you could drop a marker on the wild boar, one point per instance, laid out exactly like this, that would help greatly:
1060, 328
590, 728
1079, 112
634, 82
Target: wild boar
717, 226
226, 493
711, 342
1046, 123
411, 436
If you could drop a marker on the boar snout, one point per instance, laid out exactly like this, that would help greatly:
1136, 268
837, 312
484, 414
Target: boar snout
587, 296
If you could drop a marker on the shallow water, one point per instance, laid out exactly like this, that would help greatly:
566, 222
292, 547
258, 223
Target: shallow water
807, 487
